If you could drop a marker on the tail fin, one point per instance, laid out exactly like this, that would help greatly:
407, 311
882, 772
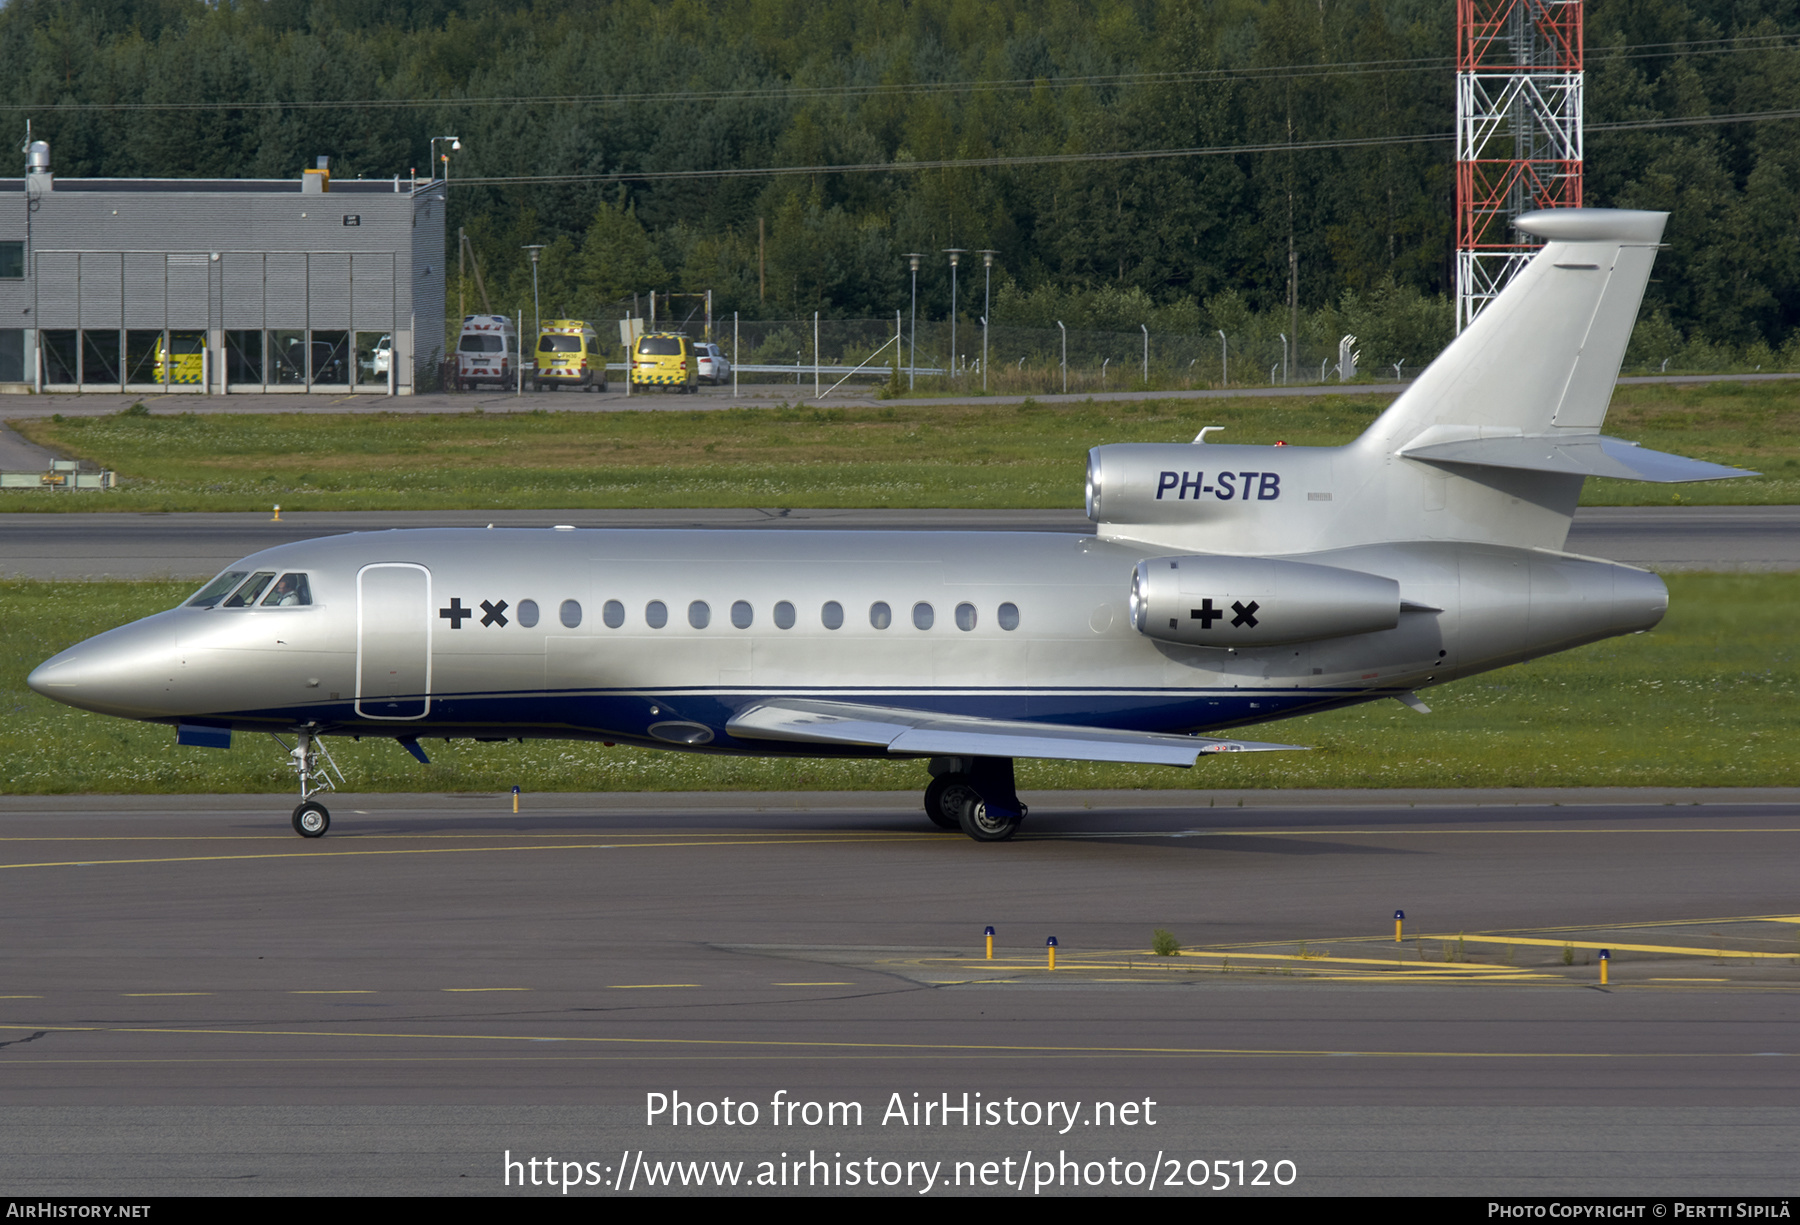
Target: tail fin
1490, 445
1544, 354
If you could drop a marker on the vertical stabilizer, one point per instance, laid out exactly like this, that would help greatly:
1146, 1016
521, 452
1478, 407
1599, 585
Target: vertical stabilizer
1544, 354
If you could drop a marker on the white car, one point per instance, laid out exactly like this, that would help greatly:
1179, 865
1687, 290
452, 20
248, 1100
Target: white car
715, 367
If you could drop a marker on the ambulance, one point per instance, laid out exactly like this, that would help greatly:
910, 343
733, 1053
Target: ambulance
487, 352
665, 359
179, 357
569, 355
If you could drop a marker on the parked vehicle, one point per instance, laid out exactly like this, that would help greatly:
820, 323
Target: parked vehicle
179, 357
487, 352
569, 355
714, 366
665, 359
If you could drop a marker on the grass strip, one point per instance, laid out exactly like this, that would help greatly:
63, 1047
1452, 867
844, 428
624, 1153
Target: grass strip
901, 454
1707, 699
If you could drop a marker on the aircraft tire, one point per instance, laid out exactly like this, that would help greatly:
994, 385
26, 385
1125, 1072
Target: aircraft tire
977, 824
311, 819
944, 800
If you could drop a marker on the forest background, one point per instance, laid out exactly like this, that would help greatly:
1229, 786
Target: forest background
600, 128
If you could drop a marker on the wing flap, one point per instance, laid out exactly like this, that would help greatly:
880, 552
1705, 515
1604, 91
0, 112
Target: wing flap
926, 734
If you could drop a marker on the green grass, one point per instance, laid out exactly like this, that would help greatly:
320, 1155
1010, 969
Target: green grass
1709, 698
903, 454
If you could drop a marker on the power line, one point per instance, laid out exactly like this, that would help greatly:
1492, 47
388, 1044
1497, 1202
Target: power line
1055, 159
779, 93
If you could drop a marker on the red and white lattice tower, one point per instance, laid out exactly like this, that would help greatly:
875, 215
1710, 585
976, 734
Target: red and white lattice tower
1518, 134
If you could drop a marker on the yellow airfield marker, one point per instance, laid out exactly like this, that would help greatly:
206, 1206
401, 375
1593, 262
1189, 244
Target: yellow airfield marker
990, 943
1050, 944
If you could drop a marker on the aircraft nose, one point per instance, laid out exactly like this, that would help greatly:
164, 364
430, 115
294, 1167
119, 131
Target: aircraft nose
115, 673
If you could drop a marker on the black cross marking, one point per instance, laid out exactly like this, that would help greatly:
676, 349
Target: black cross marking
455, 613
1206, 614
1246, 615
493, 614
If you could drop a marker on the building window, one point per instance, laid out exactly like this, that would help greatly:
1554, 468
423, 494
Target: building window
12, 261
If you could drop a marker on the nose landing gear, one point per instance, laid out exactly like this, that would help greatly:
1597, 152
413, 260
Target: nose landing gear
975, 795
310, 758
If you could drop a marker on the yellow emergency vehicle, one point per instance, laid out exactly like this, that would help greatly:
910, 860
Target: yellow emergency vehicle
665, 359
569, 355
179, 358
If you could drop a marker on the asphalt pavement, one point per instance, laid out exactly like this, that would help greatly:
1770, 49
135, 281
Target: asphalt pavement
145, 545
198, 1002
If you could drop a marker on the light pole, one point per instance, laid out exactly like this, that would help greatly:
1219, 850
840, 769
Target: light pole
955, 254
1065, 343
536, 322
912, 365
1284, 377
1224, 360
1146, 328
455, 143
987, 307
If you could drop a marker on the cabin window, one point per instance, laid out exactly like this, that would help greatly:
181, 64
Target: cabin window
1009, 616
699, 615
214, 591
656, 613
570, 613
923, 616
289, 591
613, 613
965, 617
246, 595
528, 613
784, 616
832, 615
880, 615
741, 614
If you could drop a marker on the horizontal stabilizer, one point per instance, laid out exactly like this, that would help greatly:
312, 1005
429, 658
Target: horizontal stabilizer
925, 734
1574, 455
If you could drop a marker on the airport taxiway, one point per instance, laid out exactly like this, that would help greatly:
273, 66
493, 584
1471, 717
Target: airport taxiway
143, 545
438, 981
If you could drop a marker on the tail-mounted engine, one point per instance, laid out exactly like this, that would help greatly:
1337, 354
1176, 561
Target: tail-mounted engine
1211, 601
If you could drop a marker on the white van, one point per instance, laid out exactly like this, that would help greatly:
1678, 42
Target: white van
487, 352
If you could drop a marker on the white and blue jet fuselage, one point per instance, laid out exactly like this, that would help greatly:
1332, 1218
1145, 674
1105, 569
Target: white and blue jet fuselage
1227, 586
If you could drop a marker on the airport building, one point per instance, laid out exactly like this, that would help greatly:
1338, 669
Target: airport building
219, 285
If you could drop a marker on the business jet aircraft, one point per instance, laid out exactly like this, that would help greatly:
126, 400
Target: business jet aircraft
1227, 586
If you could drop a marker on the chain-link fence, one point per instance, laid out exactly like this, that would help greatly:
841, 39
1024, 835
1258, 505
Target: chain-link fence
935, 356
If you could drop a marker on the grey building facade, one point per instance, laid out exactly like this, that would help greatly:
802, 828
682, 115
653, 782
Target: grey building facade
218, 286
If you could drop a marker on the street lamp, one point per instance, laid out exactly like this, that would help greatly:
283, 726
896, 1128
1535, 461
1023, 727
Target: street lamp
536, 322
987, 308
1224, 362
1065, 340
912, 365
455, 143
955, 254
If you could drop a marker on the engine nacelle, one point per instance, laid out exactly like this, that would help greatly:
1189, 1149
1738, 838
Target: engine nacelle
1218, 601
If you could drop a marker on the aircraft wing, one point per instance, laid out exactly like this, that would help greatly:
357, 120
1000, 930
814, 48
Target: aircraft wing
917, 732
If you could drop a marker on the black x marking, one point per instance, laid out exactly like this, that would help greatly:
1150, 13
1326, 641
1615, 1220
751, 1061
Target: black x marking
1206, 614
493, 614
456, 613
1246, 614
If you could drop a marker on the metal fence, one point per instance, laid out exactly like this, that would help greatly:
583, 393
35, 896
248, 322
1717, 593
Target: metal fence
965, 357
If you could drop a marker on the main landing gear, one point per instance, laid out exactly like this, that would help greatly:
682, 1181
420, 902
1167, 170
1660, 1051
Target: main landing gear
975, 795
310, 758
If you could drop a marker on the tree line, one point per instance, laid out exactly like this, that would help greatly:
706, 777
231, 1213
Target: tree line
598, 127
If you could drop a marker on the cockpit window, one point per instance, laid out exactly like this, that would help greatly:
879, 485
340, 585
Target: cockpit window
214, 591
293, 589
246, 595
